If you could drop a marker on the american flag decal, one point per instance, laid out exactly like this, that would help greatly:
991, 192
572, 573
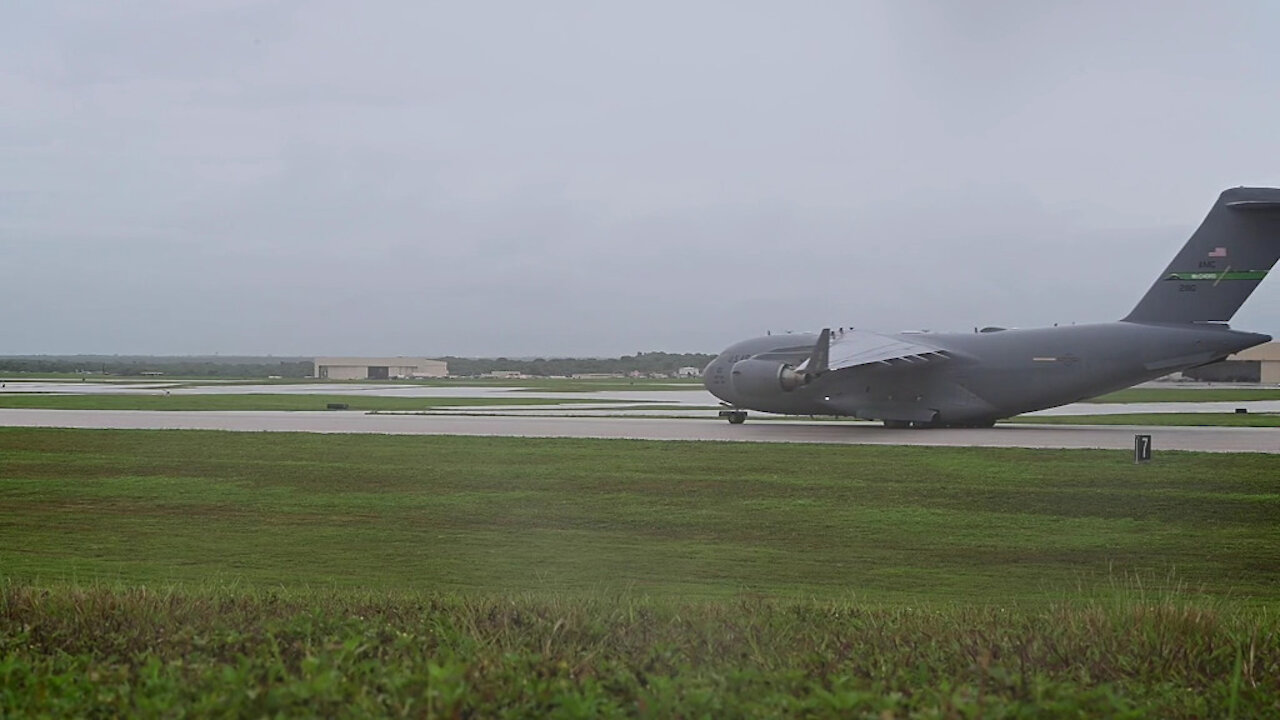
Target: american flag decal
1218, 252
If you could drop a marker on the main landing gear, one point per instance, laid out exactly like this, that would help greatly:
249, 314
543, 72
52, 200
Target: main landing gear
735, 417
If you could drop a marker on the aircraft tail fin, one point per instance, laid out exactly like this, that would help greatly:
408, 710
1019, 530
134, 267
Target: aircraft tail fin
1225, 259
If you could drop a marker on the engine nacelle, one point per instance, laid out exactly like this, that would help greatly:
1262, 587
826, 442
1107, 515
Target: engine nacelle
761, 378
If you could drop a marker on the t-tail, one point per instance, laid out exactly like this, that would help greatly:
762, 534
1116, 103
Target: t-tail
1225, 259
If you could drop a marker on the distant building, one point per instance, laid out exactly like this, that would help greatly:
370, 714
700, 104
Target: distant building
688, 372
504, 374
364, 368
1260, 364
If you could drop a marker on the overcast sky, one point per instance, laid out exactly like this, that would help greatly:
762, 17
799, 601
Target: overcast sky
586, 178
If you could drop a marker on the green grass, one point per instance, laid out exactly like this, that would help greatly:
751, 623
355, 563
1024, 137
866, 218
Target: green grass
671, 519
207, 573
121, 379
59, 377
602, 385
1158, 419
106, 651
1210, 394
262, 401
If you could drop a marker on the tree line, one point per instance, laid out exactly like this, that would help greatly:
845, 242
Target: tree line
644, 362
211, 366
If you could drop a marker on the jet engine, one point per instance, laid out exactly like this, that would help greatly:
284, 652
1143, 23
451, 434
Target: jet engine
759, 378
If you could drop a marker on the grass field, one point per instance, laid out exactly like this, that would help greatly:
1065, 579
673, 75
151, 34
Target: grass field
905, 524
262, 573
1158, 419
1176, 394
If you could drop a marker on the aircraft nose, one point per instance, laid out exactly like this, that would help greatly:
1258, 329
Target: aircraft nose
715, 378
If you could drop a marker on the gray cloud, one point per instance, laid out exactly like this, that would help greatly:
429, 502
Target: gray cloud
578, 178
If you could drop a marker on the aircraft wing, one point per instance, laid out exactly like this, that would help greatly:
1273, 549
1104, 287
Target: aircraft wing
853, 348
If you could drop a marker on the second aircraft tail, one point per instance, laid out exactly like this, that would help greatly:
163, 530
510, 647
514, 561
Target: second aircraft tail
1219, 267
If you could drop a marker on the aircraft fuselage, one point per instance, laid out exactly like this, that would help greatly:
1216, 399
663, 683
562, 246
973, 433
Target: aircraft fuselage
932, 379
984, 376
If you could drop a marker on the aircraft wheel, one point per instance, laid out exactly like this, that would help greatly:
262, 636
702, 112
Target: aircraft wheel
897, 424
737, 418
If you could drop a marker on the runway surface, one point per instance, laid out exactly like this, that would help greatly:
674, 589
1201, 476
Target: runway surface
1209, 439
663, 400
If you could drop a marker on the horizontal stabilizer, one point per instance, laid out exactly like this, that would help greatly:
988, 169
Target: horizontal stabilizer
1272, 205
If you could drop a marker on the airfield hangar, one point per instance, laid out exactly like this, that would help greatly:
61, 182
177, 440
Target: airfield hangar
368, 368
1258, 364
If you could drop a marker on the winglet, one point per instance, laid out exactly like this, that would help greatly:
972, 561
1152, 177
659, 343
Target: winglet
820, 359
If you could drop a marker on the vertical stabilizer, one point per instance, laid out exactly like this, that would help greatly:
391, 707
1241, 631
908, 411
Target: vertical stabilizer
1225, 259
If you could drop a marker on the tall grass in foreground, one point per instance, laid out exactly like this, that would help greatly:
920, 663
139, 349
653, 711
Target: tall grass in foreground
105, 650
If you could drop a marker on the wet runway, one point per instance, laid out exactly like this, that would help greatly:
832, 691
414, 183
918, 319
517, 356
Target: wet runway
1118, 437
682, 400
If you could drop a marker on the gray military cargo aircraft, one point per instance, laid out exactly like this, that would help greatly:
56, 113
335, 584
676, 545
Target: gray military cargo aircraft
974, 379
